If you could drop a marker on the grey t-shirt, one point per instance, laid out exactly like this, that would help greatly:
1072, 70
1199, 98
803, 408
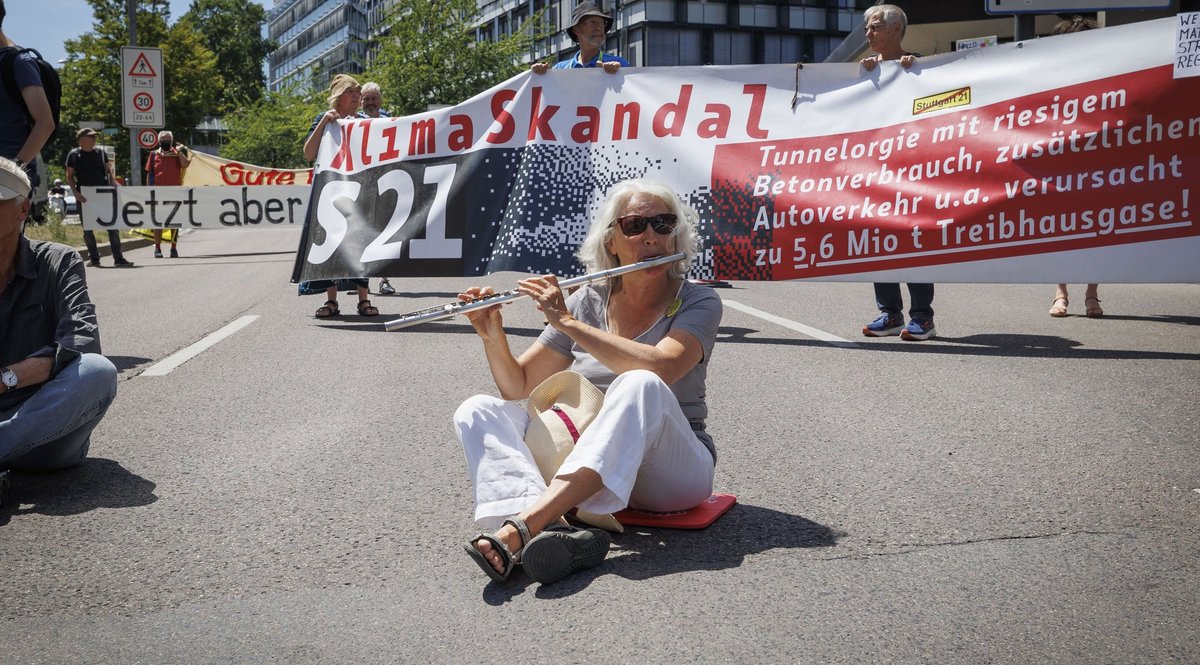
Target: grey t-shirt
698, 312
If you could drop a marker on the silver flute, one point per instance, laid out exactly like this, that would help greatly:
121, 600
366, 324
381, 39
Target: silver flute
462, 307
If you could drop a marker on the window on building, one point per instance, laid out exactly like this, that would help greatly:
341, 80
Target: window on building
732, 48
660, 10
706, 12
782, 49
762, 16
669, 47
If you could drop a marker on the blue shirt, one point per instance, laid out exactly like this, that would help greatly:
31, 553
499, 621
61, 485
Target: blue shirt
14, 125
574, 63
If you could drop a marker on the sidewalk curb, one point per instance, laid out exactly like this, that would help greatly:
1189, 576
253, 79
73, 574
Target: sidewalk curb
105, 249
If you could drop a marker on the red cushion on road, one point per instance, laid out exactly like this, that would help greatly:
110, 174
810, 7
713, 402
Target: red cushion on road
697, 518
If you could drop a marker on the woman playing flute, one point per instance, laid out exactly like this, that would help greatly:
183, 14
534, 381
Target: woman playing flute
645, 339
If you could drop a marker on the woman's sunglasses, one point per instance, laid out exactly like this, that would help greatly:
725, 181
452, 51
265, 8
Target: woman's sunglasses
635, 225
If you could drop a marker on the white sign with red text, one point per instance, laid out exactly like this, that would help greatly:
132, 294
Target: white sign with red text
1039, 162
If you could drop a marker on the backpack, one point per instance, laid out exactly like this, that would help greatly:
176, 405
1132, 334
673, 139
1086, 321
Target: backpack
50, 82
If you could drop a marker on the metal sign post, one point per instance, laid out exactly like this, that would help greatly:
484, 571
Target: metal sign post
143, 101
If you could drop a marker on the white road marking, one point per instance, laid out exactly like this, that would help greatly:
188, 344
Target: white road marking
168, 364
792, 325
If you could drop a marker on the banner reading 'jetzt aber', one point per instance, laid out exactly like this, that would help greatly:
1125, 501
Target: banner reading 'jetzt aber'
1045, 161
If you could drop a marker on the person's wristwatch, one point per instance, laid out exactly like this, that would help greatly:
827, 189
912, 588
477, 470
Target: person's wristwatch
8, 378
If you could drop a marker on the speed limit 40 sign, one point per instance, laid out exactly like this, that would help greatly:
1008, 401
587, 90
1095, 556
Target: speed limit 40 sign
147, 138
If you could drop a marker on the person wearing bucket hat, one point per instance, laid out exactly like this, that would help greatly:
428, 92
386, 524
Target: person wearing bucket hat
345, 95
643, 341
589, 28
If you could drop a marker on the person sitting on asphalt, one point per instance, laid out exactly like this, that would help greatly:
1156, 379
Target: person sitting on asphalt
55, 387
589, 28
644, 339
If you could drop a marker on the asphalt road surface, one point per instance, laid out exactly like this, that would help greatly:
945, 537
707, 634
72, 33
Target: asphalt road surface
1021, 489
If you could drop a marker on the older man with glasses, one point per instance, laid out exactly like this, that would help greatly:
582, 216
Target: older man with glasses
589, 28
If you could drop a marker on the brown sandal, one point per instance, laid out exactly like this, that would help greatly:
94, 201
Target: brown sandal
330, 308
1093, 310
365, 308
1057, 310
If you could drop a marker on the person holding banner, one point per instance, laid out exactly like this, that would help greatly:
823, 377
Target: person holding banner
645, 339
372, 107
345, 94
885, 26
164, 168
1091, 296
589, 28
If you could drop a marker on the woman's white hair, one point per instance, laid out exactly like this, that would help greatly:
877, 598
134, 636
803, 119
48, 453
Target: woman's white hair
594, 254
889, 14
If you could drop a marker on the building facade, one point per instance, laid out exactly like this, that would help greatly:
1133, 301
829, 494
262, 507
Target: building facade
316, 40
660, 33
320, 38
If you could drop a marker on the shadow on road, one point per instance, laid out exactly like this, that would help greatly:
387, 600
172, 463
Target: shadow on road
97, 483
375, 324
219, 256
1015, 346
642, 553
123, 363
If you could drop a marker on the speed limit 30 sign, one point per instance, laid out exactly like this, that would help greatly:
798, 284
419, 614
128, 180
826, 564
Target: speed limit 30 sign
142, 87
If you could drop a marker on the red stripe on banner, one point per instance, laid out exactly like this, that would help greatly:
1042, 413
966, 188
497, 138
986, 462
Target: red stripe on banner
1091, 165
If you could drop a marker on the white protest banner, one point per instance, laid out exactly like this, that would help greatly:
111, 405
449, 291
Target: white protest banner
1041, 161
1187, 44
118, 208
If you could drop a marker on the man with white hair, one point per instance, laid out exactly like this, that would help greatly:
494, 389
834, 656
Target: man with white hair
885, 27
164, 168
372, 107
55, 387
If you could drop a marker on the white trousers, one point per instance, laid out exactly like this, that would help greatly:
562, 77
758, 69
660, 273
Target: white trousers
640, 444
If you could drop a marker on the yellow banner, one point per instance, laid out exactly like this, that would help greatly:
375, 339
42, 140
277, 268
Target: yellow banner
212, 170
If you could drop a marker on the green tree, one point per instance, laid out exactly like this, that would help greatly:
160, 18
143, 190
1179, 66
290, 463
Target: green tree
232, 30
272, 132
192, 83
92, 75
428, 54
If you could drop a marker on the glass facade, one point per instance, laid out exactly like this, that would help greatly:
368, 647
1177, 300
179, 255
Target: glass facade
317, 39
659, 33
320, 38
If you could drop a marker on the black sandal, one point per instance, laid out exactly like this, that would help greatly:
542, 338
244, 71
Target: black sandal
509, 559
365, 308
330, 308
